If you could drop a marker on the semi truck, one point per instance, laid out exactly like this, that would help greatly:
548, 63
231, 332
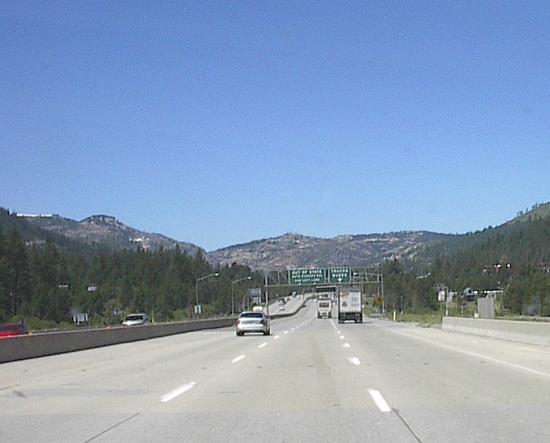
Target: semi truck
324, 307
350, 304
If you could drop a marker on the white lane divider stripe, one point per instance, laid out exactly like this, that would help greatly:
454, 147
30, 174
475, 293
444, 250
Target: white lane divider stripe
264, 344
239, 358
176, 392
354, 361
341, 337
379, 400
286, 332
345, 345
276, 337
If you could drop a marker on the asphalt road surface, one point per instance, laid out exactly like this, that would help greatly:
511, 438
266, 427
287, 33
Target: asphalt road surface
311, 380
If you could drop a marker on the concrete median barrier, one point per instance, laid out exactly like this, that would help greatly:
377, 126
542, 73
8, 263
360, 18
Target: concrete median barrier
537, 333
290, 313
39, 345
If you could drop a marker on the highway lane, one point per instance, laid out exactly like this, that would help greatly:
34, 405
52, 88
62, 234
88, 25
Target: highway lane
311, 380
290, 306
454, 387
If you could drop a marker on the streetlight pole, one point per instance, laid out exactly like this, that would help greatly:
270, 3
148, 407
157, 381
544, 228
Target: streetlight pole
215, 274
233, 292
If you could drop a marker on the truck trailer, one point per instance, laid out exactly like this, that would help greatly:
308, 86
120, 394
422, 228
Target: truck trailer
350, 304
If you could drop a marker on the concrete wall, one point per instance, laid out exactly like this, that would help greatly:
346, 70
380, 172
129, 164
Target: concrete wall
537, 333
38, 345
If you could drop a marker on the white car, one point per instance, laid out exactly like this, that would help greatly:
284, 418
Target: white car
250, 321
135, 320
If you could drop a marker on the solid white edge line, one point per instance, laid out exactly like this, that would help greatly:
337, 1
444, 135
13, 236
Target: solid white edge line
239, 358
176, 392
379, 400
262, 345
475, 354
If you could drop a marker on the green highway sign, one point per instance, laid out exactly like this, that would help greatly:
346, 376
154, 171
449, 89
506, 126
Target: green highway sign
339, 275
306, 276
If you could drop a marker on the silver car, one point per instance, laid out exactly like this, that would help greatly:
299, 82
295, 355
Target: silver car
251, 321
135, 320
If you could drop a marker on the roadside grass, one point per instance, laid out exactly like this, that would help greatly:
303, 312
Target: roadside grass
424, 319
427, 319
37, 324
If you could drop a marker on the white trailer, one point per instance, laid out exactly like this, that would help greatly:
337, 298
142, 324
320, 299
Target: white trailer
350, 305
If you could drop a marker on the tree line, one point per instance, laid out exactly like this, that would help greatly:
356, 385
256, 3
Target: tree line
514, 258
44, 282
41, 280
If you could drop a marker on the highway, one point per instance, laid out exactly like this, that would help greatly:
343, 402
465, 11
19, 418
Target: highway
311, 380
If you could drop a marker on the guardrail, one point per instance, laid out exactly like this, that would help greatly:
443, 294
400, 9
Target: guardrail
50, 343
537, 333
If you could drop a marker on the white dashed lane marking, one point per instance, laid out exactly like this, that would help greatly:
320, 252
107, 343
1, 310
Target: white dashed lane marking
354, 361
379, 400
239, 358
176, 392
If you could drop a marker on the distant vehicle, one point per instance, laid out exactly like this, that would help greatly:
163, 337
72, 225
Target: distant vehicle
324, 308
326, 292
12, 329
350, 305
135, 320
250, 321
257, 309
281, 307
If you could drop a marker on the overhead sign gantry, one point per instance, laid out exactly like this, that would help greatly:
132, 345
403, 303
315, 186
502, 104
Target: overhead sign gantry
339, 275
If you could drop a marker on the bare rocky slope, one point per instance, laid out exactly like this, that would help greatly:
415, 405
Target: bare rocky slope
295, 251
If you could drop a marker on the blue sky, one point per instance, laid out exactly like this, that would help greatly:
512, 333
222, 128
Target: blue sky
223, 122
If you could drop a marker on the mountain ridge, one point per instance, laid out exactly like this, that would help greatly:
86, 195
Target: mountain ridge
104, 232
290, 250
297, 250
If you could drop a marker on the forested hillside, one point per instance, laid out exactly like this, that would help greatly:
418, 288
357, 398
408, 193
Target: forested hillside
45, 277
40, 282
514, 257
